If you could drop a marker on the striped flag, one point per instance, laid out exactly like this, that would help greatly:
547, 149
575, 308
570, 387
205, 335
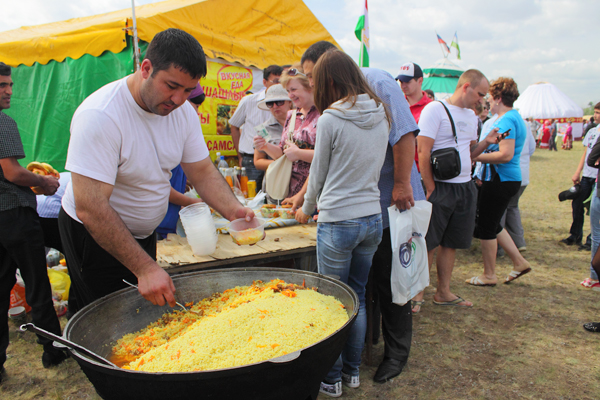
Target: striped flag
455, 45
362, 33
441, 41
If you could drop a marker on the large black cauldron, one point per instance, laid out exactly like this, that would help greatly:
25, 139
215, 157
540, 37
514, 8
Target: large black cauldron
293, 376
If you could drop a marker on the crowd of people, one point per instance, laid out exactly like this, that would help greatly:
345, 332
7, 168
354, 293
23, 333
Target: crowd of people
359, 139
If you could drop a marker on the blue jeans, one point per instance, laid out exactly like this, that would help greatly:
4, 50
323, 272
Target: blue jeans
595, 226
346, 249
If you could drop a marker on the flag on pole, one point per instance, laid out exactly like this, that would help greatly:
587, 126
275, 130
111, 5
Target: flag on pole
455, 45
441, 41
362, 33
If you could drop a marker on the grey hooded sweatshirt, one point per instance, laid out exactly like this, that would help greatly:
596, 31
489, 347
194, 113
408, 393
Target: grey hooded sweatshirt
349, 152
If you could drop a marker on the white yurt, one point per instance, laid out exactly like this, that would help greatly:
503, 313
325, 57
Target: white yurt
543, 101
442, 78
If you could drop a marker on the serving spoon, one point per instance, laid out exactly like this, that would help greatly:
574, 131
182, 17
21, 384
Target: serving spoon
179, 304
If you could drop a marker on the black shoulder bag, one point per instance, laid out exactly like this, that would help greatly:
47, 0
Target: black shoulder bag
445, 163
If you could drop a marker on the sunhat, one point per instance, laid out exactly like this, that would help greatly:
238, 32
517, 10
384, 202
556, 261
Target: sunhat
274, 93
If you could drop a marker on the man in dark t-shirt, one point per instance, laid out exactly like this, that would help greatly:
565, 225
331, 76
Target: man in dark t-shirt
21, 237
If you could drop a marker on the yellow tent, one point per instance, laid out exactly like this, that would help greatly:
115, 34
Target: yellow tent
251, 32
58, 65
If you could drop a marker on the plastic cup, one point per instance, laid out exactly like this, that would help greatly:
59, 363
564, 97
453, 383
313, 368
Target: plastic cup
199, 228
247, 232
18, 315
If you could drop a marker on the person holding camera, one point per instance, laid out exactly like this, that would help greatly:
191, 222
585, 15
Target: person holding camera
450, 127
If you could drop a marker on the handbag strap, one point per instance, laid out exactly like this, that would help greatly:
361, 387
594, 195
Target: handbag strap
292, 126
451, 122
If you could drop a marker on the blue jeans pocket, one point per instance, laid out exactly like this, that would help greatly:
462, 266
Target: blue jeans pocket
345, 235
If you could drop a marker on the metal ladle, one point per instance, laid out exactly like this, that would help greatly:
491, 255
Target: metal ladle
66, 342
179, 304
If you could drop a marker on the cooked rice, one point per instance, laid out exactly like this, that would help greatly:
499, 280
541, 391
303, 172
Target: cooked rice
242, 326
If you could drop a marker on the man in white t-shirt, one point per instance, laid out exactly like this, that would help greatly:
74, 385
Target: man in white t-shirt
454, 200
125, 139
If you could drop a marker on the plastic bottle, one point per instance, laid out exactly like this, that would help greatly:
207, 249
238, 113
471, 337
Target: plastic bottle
244, 182
229, 176
223, 163
217, 159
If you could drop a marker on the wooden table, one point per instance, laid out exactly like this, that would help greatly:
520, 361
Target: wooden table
296, 243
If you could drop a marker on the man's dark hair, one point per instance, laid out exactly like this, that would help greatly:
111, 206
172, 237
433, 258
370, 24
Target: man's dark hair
272, 70
597, 106
174, 47
286, 66
315, 51
4, 69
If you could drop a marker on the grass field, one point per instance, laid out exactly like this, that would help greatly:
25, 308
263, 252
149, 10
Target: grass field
520, 341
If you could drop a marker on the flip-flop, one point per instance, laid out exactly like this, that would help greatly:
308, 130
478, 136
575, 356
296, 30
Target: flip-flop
415, 303
516, 274
475, 281
592, 326
454, 302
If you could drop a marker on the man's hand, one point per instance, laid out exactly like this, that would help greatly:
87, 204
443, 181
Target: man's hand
156, 286
296, 201
576, 179
429, 190
49, 185
301, 217
243, 212
493, 137
402, 196
292, 152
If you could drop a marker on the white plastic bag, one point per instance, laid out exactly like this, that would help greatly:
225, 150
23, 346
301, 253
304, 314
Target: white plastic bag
410, 271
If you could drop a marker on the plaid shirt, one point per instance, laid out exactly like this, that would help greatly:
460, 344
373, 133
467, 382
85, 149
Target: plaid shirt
11, 195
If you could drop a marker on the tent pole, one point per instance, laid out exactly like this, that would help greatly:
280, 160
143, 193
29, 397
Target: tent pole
136, 49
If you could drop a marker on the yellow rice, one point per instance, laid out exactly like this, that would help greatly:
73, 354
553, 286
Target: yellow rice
242, 326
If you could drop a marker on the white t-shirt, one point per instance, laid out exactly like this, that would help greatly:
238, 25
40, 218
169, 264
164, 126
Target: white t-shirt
589, 141
434, 124
113, 140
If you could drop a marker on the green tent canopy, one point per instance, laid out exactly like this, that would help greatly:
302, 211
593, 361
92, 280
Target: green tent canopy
442, 78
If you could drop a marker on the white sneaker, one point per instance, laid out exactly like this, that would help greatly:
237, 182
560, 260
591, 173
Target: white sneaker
350, 380
331, 390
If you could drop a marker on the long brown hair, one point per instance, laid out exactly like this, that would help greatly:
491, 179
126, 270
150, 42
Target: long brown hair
337, 77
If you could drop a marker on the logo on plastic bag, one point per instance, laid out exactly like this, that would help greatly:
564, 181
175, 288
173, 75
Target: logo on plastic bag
408, 250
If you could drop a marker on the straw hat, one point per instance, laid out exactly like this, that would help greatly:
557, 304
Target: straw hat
274, 93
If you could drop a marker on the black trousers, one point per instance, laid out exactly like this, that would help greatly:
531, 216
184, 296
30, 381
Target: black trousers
94, 272
586, 187
22, 246
51, 233
396, 320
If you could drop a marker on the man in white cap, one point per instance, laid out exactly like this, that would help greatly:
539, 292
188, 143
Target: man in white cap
411, 82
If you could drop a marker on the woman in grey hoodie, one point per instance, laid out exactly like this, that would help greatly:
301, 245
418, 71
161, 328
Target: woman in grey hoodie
351, 141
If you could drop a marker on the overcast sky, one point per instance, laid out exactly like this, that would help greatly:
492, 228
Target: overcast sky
528, 40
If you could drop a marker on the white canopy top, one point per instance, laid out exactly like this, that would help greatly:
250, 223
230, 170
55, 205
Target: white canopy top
544, 100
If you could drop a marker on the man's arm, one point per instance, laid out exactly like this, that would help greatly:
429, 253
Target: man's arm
109, 231
214, 190
425, 144
594, 156
403, 150
235, 136
577, 175
15, 173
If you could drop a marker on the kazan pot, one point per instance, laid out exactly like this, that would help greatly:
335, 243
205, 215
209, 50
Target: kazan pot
293, 376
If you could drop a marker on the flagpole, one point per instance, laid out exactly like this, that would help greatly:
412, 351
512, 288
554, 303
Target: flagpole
136, 49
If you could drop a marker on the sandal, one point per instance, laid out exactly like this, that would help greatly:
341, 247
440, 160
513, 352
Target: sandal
516, 274
592, 326
476, 281
416, 303
589, 283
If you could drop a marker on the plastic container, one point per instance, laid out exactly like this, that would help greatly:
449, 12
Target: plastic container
286, 213
18, 315
199, 228
244, 232
269, 212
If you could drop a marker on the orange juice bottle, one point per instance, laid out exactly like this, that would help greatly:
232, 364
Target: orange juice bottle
244, 182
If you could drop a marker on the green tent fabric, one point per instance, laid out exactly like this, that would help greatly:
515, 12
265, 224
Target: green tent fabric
46, 96
440, 84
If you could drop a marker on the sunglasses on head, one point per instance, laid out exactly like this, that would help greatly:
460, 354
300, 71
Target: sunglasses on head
294, 72
279, 103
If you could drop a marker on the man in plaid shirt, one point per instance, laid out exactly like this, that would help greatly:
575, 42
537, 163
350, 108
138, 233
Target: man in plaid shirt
21, 237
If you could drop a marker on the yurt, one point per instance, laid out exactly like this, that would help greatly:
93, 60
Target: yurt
442, 78
543, 101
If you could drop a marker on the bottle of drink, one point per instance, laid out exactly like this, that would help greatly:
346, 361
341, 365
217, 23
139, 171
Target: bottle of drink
229, 176
217, 159
244, 182
223, 163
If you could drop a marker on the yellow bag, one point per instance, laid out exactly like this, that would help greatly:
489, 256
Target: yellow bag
60, 282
